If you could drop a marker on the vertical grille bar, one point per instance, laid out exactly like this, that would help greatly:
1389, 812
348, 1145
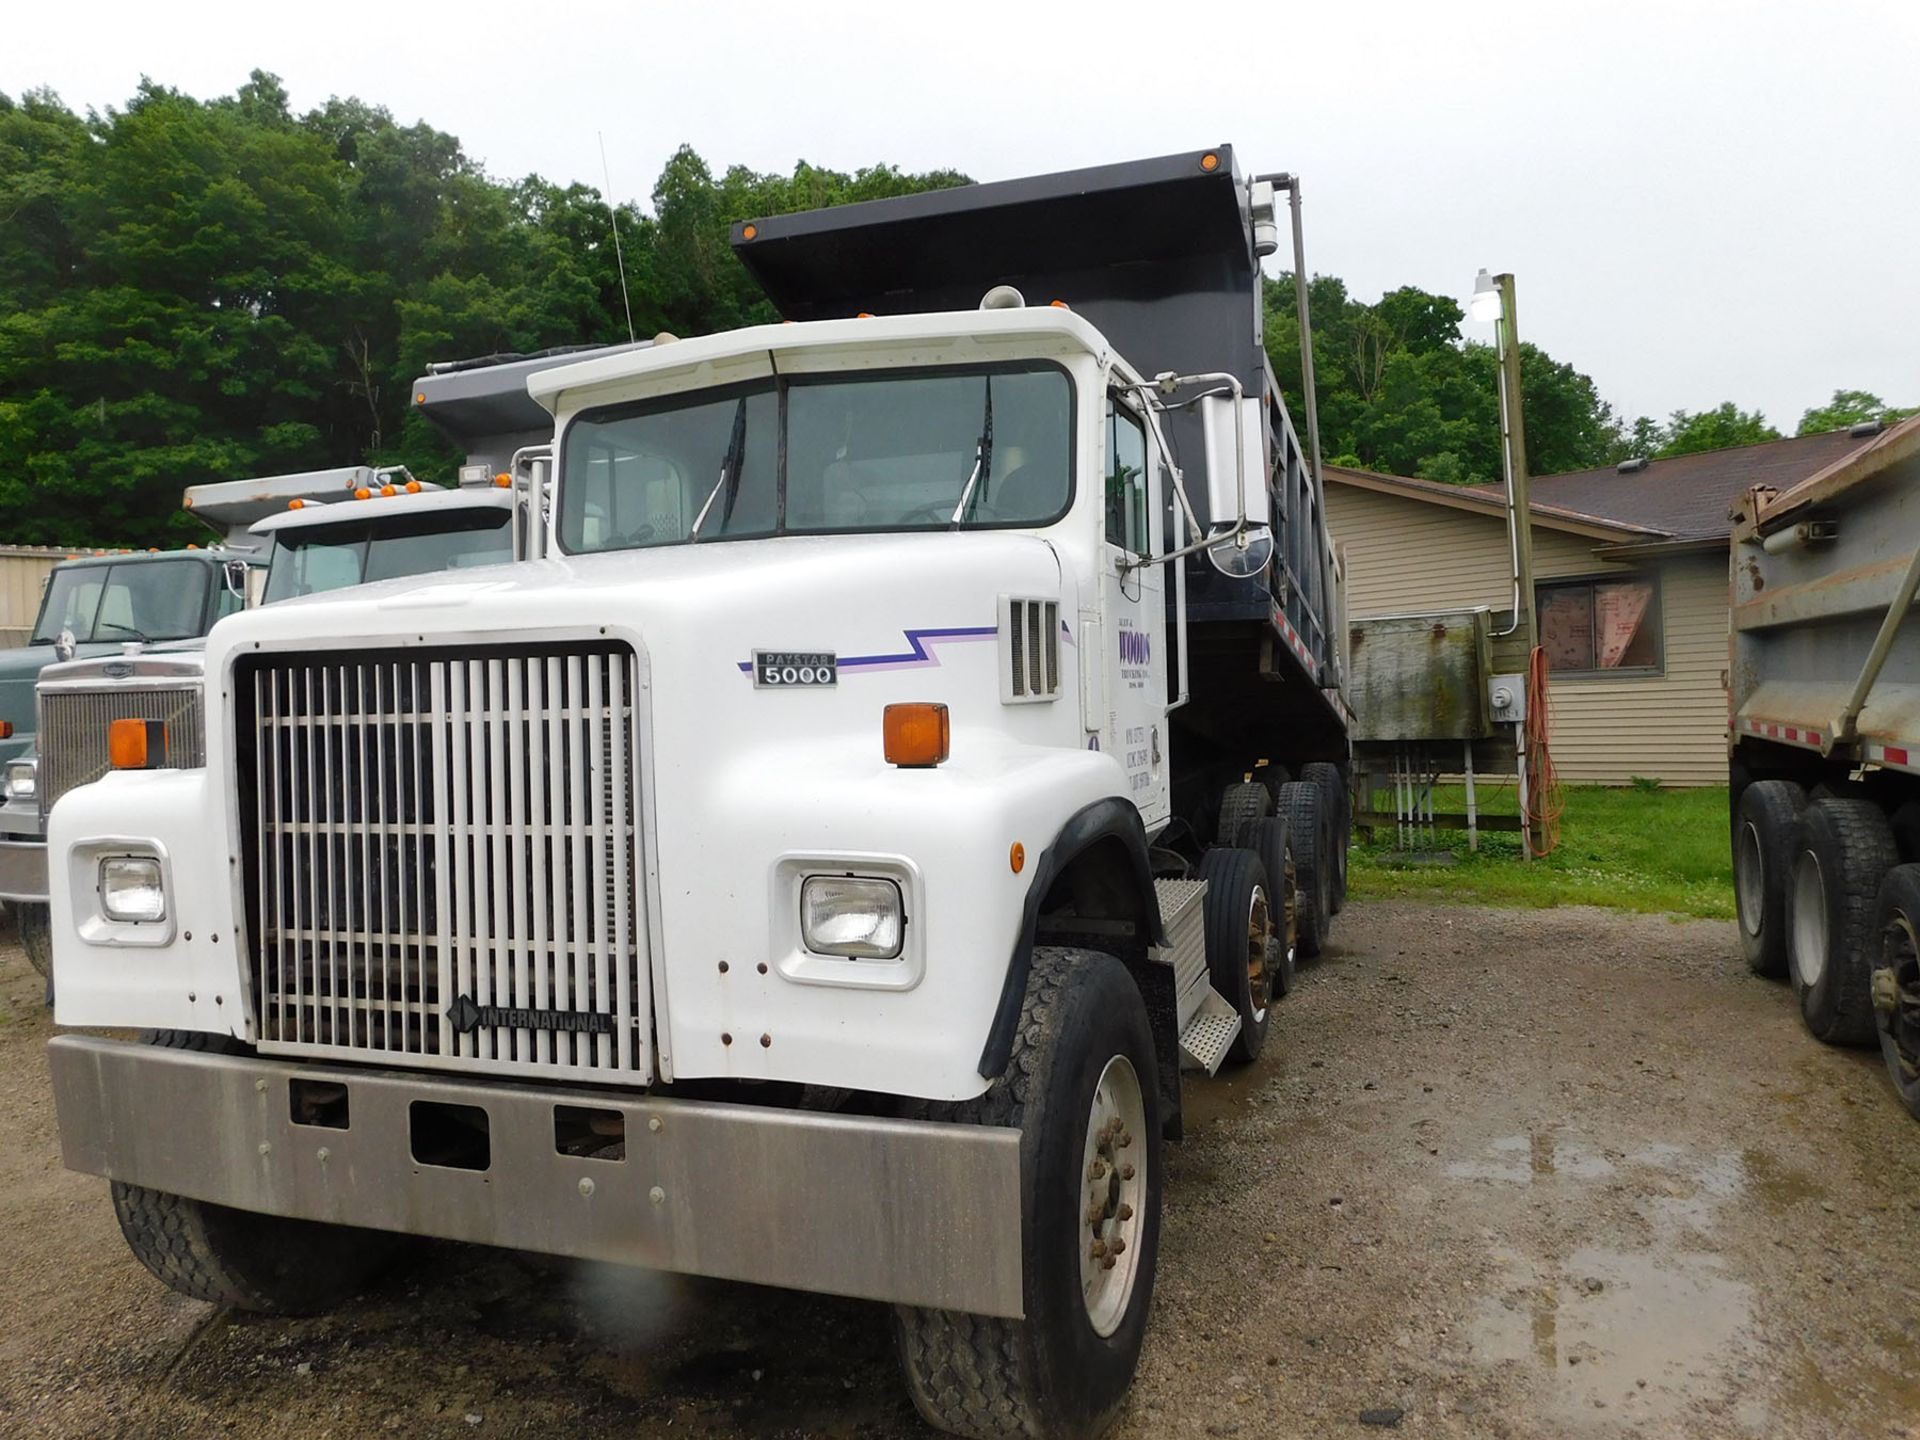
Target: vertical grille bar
620, 893
444, 857
577, 836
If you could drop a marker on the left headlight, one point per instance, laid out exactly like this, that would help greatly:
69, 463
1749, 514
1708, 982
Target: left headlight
22, 780
859, 917
131, 888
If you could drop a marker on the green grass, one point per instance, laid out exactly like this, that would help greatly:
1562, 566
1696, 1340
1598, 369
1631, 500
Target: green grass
1628, 849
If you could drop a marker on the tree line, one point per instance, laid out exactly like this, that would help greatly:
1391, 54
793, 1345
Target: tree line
197, 290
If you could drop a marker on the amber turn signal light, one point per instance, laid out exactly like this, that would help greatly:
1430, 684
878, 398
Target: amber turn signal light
136, 744
917, 735
6, 729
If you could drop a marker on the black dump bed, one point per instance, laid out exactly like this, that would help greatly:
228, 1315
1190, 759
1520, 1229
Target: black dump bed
1159, 255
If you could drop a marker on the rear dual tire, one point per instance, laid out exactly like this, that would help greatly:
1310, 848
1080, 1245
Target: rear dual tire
1844, 851
1766, 825
1895, 981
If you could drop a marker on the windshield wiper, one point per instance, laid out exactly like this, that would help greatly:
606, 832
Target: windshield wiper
729, 472
982, 459
130, 629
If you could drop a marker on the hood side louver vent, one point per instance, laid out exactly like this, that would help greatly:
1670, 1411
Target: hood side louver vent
1029, 650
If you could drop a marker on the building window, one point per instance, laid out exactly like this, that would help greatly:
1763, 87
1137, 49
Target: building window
1601, 627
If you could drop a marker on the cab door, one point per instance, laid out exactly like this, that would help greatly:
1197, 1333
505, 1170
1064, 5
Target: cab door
1133, 614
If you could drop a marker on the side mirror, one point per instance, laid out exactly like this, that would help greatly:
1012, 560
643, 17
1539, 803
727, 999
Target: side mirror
1243, 556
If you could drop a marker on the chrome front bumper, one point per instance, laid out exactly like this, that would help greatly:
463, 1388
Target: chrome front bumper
892, 1210
23, 870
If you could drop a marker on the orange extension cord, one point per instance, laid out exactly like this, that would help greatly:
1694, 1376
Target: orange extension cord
1545, 803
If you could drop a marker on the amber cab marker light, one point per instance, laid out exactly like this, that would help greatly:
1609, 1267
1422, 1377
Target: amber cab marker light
917, 735
1017, 857
503, 480
136, 744
413, 487
363, 493
420, 399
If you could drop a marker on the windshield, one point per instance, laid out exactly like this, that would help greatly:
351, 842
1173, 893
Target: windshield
892, 450
150, 600
329, 557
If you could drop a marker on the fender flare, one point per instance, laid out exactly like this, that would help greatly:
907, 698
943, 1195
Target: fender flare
1111, 818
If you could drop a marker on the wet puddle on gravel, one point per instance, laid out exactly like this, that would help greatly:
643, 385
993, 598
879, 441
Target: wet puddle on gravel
1620, 1335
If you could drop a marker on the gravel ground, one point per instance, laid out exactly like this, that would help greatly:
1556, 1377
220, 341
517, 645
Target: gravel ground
1508, 1173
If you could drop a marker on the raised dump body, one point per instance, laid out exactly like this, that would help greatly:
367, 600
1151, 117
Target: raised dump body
1824, 745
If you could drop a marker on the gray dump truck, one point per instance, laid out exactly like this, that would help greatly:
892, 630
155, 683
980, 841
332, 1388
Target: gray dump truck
123, 636
1824, 745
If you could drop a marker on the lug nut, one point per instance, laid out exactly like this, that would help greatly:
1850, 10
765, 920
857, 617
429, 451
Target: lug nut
1107, 1264
1125, 1140
1096, 1212
1097, 1249
1098, 1170
1125, 1212
1118, 1246
1126, 1172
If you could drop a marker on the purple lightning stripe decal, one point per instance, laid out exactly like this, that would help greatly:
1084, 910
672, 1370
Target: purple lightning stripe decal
920, 654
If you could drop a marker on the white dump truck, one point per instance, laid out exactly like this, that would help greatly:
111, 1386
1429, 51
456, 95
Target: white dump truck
823, 867
1824, 742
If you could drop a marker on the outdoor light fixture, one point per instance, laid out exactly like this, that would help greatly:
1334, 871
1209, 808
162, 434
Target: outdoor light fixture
1485, 304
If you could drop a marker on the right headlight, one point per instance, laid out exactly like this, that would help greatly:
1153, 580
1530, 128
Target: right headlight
132, 889
856, 916
22, 780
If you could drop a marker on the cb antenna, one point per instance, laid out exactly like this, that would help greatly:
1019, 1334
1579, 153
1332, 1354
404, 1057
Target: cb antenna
614, 216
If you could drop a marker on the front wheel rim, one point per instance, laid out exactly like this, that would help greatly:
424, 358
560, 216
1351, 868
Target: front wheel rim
1750, 878
1809, 920
1113, 1190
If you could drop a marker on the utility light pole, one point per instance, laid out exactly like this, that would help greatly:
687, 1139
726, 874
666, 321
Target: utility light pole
1493, 300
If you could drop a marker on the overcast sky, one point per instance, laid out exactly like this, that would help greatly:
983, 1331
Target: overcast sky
1701, 201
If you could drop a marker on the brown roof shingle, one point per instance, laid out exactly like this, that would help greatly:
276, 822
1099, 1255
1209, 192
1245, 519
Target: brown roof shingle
1688, 497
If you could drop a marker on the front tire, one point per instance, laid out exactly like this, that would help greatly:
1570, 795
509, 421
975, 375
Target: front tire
263, 1263
1082, 1062
1844, 851
36, 935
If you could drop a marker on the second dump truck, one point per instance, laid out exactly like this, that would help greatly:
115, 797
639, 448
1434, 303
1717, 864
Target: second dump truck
913, 758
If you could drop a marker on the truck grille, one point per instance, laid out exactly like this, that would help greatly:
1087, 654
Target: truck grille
72, 735
442, 859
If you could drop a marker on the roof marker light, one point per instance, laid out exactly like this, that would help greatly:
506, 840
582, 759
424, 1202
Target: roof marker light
363, 493
1210, 162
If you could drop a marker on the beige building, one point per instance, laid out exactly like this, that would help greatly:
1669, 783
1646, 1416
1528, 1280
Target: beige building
23, 575
1630, 579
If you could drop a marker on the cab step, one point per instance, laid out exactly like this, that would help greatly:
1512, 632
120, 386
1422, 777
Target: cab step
1203, 1044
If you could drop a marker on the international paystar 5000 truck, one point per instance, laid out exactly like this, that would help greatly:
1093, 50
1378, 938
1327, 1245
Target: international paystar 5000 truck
820, 867
1825, 745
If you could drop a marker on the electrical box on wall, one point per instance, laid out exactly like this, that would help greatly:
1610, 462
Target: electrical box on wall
1507, 699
